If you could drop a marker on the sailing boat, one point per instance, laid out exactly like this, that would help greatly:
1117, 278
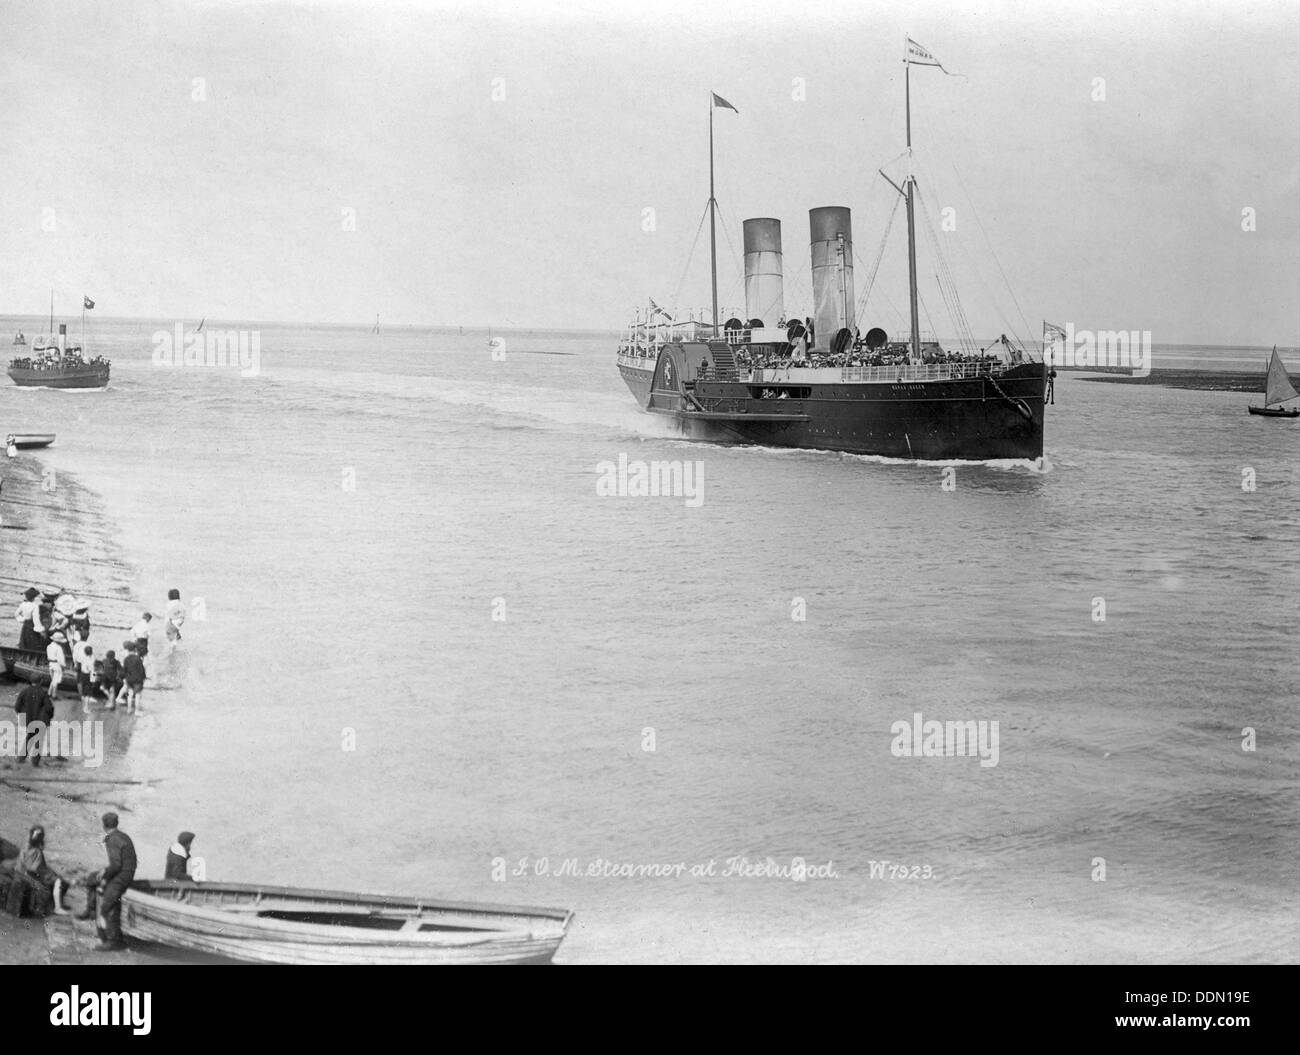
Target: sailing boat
1278, 389
199, 329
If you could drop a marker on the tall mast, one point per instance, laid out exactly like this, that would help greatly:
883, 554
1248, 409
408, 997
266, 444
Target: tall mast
911, 221
51, 310
713, 234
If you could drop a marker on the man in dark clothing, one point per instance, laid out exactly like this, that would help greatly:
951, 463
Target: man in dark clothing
34, 702
134, 674
113, 882
111, 677
178, 857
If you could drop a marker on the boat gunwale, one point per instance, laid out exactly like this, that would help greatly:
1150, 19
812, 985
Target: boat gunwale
552, 919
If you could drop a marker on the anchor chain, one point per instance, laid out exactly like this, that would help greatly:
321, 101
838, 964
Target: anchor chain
1020, 406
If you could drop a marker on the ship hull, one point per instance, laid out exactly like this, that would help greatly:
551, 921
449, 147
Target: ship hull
638, 381
981, 418
81, 377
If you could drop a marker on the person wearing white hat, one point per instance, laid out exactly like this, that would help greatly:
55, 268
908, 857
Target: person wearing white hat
54, 653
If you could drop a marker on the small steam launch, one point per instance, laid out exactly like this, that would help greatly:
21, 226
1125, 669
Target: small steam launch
818, 381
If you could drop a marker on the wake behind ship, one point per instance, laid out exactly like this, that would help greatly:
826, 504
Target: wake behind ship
819, 382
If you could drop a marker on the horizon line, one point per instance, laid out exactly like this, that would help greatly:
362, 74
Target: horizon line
513, 328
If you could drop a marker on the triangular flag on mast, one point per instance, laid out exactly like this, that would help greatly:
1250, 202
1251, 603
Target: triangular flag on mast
86, 302
919, 56
719, 101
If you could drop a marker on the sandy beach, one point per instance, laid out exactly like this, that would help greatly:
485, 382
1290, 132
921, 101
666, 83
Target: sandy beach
1195, 380
58, 535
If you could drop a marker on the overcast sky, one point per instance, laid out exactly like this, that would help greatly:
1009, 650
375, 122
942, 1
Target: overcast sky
1122, 212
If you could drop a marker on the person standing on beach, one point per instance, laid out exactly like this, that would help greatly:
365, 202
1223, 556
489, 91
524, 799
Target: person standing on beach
54, 653
133, 673
80, 642
175, 616
61, 621
123, 692
113, 882
86, 676
81, 619
31, 635
35, 703
140, 632
110, 678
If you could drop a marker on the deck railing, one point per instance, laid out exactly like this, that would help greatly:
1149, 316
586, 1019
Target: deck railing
919, 372
643, 357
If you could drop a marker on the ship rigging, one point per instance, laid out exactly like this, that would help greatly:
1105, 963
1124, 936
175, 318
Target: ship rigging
818, 382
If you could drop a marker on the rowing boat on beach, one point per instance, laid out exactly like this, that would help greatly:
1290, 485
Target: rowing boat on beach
22, 664
268, 924
30, 441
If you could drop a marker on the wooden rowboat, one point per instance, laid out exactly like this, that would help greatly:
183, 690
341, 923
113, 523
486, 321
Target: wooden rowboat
268, 924
22, 664
30, 441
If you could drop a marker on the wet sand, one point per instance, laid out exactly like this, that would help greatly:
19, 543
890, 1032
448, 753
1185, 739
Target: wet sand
1199, 380
57, 535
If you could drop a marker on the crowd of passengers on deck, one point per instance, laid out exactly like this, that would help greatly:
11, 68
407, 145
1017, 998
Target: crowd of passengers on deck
858, 357
54, 361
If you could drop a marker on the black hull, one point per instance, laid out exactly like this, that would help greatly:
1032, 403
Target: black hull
638, 381
971, 419
77, 377
1268, 412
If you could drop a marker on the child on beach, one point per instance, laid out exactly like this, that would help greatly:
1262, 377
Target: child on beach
80, 642
133, 673
54, 653
110, 677
85, 675
175, 615
141, 634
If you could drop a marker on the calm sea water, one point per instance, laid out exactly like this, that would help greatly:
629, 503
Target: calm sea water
353, 517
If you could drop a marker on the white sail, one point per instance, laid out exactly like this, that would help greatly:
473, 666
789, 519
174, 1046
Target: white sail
1279, 388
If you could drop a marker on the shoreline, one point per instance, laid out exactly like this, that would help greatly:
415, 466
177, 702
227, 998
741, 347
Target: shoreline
1251, 383
61, 537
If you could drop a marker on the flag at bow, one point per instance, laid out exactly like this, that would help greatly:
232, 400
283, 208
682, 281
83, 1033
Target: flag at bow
86, 302
1054, 341
658, 310
919, 56
719, 101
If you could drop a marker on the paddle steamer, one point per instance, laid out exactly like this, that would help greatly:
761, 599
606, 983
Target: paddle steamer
819, 382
